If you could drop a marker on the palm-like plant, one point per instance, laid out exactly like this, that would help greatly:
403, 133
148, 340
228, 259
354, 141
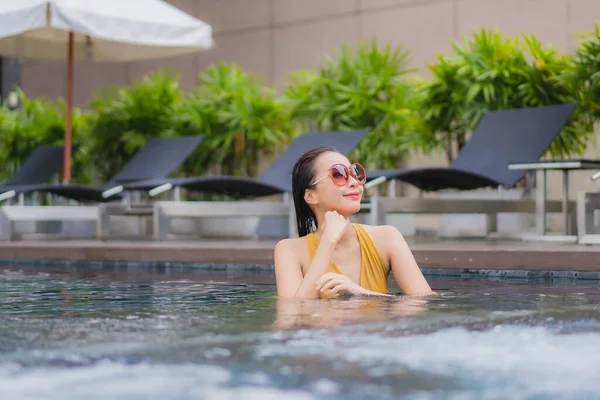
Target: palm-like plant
546, 84
123, 118
488, 73
368, 87
443, 107
37, 122
241, 119
584, 76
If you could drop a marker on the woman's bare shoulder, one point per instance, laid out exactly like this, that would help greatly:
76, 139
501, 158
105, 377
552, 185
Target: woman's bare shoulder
291, 244
384, 232
294, 247
291, 250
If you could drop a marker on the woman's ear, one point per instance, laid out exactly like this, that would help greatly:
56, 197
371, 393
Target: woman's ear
310, 197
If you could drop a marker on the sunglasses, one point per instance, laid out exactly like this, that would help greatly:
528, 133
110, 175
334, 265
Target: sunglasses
339, 174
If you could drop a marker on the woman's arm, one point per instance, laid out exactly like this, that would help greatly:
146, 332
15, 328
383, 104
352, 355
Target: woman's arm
406, 272
288, 270
338, 283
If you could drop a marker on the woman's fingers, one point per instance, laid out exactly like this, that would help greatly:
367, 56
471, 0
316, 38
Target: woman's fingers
331, 283
339, 288
347, 288
325, 278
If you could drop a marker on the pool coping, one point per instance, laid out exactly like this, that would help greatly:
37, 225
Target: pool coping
439, 257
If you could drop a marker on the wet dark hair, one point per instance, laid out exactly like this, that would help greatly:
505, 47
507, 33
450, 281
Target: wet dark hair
303, 175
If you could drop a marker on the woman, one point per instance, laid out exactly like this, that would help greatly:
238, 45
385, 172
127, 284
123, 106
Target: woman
333, 256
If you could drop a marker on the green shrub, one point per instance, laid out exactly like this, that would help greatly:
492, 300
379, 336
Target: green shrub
125, 117
489, 72
368, 87
241, 119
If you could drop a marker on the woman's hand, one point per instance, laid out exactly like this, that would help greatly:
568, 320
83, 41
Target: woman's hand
337, 283
334, 226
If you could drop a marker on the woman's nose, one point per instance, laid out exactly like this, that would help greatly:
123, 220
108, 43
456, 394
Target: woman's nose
352, 182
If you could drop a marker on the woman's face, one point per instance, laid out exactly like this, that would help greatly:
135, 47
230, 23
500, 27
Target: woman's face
327, 195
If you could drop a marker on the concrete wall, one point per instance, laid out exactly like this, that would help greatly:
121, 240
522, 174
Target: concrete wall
274, 37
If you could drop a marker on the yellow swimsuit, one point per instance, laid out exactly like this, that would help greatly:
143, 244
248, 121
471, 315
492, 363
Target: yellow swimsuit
373, 272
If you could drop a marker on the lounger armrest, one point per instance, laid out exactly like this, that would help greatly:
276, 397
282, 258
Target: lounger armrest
555, 164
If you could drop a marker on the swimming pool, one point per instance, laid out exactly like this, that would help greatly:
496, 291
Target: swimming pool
155, 333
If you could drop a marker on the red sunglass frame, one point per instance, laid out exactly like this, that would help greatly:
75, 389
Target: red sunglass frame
349, 171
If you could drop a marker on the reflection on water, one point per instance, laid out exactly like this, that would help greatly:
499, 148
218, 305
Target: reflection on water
309, 313
70, 333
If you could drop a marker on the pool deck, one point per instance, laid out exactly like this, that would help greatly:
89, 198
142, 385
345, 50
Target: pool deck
438, 254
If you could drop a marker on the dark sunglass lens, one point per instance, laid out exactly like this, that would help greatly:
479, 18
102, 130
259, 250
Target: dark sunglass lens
338, 174
359, 172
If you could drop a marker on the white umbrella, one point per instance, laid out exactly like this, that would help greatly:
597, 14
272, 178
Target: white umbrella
97, 30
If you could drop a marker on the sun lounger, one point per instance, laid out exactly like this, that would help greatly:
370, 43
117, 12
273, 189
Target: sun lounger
277, 179
43, 164
157, 159
502, 137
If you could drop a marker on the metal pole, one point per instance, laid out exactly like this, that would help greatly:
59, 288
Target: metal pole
565, 202
540, 202
69, 120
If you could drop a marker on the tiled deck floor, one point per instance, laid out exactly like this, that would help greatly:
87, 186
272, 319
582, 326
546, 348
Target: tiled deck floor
511, 255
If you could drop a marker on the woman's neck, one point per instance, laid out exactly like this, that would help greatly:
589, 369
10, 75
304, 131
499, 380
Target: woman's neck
348, 233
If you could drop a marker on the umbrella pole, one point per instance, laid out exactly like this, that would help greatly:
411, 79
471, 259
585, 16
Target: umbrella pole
69, 122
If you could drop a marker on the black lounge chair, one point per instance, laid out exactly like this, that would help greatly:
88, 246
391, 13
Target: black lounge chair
43, 164
276, 179
157, 159
501, 137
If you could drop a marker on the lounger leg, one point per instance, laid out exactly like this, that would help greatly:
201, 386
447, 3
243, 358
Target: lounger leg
491, 223
160, 224
6, 226
377, 214
587, 204
540, 202
128, 199
103, 222
392, 188
292, 227
565, 203
573, 223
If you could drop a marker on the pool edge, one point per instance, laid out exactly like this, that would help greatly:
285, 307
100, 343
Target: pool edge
440, 255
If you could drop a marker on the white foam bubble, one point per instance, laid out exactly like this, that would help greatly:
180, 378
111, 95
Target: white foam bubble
506, 360
110, 380
259, 378
326, 387
254, 393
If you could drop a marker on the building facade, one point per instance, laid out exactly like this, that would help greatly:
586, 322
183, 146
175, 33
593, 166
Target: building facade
274, 37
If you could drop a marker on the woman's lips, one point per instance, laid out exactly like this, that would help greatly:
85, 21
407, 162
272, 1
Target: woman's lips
353, 196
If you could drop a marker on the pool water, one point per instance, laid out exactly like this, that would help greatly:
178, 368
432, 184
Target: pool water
159, 333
